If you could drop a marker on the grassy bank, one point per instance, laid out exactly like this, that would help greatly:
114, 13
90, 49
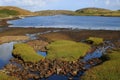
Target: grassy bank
95, 40
66, 50
26, 53
109, 70
3, 76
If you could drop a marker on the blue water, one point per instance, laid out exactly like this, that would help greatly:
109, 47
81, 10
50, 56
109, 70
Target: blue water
44, 54
5, 53
62, 21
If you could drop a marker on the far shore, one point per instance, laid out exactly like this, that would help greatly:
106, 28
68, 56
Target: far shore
3, 21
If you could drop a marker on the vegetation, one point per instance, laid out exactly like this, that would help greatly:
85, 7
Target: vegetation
66, 50
10, 11
80, 12
95, 40
26, 53
109, 70
3, 76
97, 12
54, 12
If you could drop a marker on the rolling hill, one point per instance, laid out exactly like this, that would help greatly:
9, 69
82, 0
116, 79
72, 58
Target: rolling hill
97, 12
54, 12
10, 11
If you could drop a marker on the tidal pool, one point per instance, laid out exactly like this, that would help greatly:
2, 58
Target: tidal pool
5, 53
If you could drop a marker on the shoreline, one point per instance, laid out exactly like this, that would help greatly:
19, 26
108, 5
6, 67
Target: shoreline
3, 23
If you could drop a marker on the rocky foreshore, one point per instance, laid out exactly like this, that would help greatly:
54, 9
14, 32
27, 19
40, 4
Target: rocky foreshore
38, 45
46, 68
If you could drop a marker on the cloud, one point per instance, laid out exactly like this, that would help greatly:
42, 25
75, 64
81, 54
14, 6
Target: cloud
58, 4
25, 2
111, 3
32, 4
107, 2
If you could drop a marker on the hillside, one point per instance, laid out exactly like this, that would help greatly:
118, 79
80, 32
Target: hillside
97, 12
54, 12
80, 12
10, 11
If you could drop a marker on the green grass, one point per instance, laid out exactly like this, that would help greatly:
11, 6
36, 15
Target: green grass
97, 12
7, 12
26, 53
3, 76
66, 50
109, 70
96, 40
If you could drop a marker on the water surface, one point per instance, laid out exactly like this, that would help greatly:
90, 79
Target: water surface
5, 53
62, 21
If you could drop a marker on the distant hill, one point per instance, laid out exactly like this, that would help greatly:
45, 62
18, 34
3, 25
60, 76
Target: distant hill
11, 11
7, 11
54, 12
97, 12
93, 10
80, 12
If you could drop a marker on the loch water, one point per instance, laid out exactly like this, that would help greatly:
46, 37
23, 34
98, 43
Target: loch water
63, 21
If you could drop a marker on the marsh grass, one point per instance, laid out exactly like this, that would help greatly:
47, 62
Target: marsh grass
66, 50
96, 40
109, 70
3, 76
26, 53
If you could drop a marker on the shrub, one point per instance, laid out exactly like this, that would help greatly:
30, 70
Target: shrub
66, 50
26, 53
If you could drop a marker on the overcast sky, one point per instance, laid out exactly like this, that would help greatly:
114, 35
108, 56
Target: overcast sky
36, 5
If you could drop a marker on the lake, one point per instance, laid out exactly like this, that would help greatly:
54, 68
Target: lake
62, 21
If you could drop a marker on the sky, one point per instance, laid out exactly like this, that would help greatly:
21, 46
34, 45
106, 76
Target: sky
37, 5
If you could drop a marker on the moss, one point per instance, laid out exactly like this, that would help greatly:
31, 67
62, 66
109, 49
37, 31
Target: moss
66, 50
26, 53
95, 40
109, 70
3, 76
